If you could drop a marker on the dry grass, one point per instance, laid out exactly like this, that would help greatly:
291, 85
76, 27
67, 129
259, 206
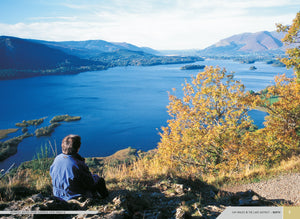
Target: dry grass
255, 174
127, 163
126, 169
142, 169
150, 168
22, 183
29, 178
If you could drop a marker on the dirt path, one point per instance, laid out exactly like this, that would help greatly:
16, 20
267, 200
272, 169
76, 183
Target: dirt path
284, 187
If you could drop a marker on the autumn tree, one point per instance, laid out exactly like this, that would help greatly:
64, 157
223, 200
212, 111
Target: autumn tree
280, 138
207, 125
210, 129
292, 39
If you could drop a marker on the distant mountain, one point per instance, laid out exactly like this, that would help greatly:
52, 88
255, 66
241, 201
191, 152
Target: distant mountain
90, 49
21, 58
115, 54
19, 53
263, 42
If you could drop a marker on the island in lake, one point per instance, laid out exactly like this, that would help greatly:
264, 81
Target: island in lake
64, 118
192, 67
34, 122
9, 147
45, 131
5, 132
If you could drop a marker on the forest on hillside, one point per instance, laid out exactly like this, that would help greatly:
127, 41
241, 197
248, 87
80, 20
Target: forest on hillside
21, 58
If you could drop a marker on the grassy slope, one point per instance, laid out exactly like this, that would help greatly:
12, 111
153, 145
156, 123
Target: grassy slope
123, 161
32, 177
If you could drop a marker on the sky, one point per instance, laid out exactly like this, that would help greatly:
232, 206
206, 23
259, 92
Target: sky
159, 24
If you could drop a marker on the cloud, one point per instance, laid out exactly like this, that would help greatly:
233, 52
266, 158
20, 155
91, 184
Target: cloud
169, 24
75, 6
73, 18
234, 4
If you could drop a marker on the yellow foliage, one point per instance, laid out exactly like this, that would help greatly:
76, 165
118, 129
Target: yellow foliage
292, 38
207, 125
210, 134
210, 129
280, 138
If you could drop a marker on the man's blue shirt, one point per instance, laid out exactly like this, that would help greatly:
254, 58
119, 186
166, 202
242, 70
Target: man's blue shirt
70, 177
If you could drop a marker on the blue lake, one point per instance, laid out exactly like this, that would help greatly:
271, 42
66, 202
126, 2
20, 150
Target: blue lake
120, 107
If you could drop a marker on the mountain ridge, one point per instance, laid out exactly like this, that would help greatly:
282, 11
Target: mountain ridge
93, 48
263, 42
38, 56
22, 58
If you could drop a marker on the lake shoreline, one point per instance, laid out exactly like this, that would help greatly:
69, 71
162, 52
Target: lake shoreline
76, 70
120, 107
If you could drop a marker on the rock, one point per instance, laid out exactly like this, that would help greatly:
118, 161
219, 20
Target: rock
213, 210
198, 210
120, 214
132, 202
37, 198
255, 198
182, 214
14, 206
172, 194
120, 201
178, 188
35, 207
198, 200
250, 198
81, 204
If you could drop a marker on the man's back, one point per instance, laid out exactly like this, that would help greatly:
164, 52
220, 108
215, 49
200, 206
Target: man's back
70, 176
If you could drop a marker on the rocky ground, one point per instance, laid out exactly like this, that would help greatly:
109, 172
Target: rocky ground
167, 198
284, 188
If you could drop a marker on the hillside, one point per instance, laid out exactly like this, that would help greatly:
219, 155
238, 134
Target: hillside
94, 48
165, 196
263, 42
19, 53
115, 53
21, 58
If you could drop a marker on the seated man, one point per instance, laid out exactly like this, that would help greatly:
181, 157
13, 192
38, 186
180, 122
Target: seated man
70, 175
